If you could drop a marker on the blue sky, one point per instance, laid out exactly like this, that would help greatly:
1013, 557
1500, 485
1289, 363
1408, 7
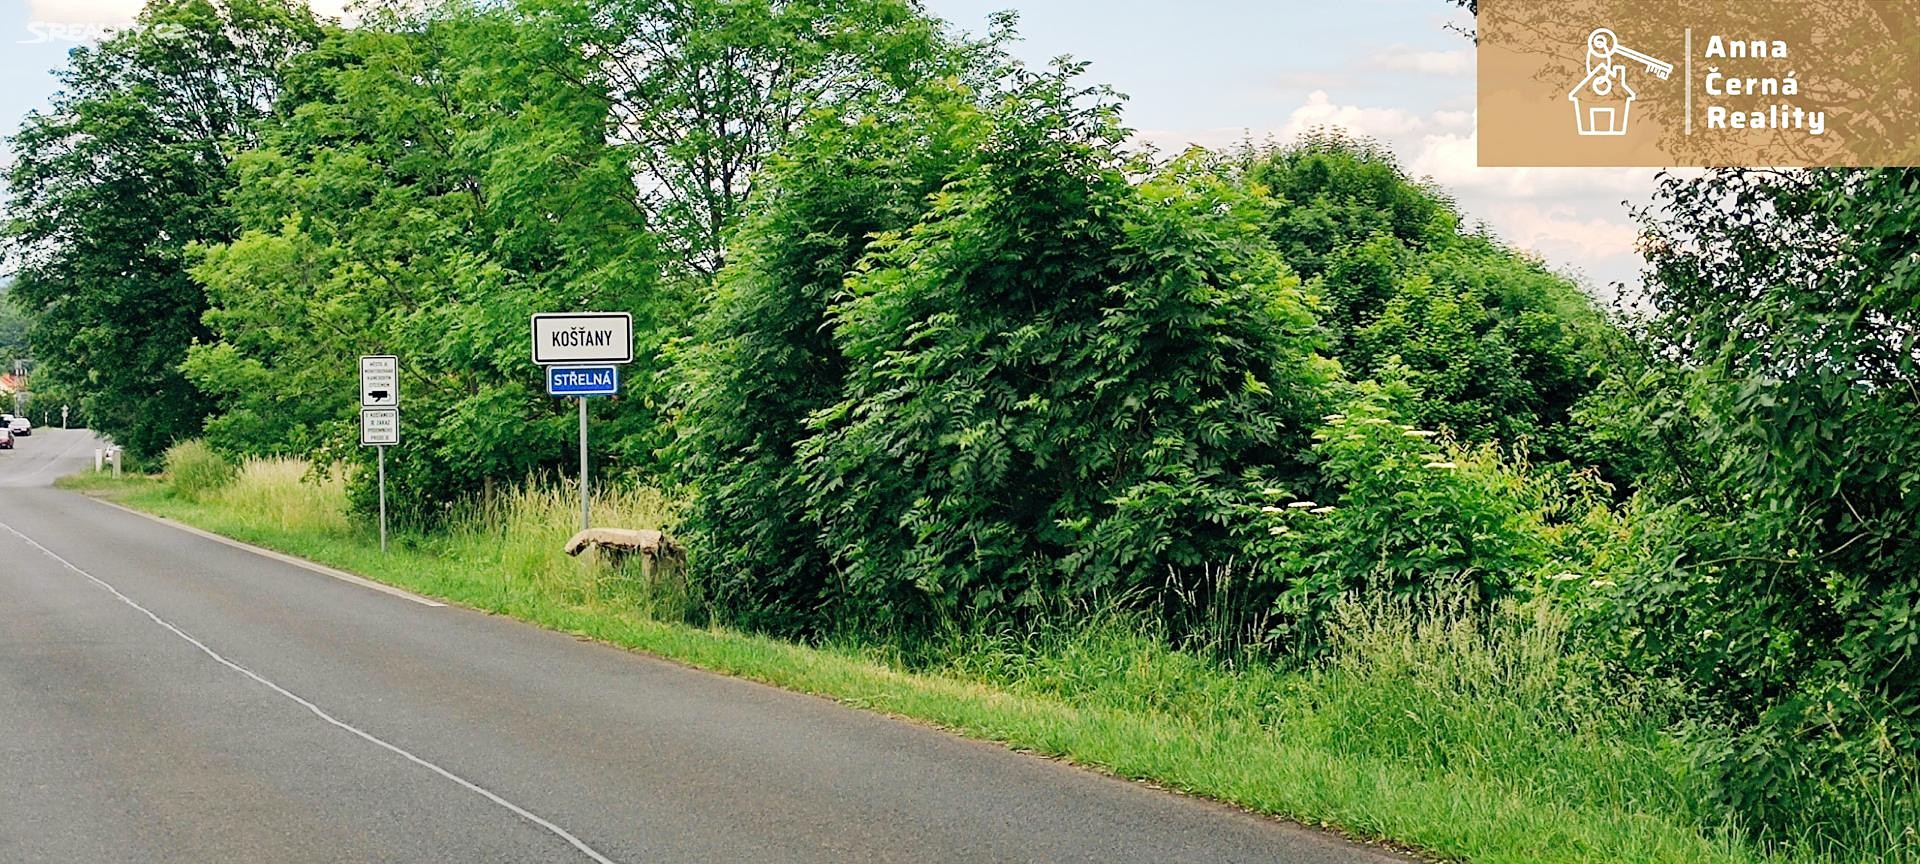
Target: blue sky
1196, 71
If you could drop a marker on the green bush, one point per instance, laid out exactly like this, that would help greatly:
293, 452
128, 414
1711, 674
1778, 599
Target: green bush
1058, 381
1775, 562
1342, 192
1403, 516
762, 357
1499, 348
193, 469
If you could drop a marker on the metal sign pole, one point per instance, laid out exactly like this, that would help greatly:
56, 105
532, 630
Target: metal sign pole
582, 353
380, 418
383, 498
585, 522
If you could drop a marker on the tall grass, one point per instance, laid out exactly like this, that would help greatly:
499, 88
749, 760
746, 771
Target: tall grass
1484, 738
286, 495
193, 469
519, 534
1499, 704
511, 541
1486, 702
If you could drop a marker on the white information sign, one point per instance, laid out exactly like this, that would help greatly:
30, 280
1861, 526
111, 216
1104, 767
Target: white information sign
379, 427
569, 338
379, 381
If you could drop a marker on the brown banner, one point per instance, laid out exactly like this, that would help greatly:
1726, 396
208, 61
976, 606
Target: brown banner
1692, 83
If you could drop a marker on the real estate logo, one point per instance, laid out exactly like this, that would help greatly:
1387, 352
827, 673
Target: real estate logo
1667, 83
1603, 100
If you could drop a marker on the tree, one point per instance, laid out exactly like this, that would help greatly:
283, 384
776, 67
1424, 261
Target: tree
1494, 346
1058, 381
763, 357
432, 181
113, 183
14, 324
701, 92
1776, 403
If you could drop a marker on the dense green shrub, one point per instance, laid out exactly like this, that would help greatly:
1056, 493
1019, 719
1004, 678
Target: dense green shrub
1342, 192
1498, 349
1401, 516
1778, 565
1059, 382
763, 358
193, 469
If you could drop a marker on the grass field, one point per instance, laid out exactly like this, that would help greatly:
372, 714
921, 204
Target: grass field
1487, 744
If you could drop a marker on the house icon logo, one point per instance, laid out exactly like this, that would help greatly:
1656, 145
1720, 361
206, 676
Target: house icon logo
1603, 101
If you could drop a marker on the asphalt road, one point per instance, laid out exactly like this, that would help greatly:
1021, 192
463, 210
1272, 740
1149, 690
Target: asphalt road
168, 698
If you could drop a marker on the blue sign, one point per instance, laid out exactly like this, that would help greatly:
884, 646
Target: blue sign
583, 380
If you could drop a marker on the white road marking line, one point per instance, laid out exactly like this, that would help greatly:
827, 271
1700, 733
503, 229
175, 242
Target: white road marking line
301, 563
516, 809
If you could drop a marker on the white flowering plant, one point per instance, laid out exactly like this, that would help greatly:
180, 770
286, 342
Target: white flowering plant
1399, 511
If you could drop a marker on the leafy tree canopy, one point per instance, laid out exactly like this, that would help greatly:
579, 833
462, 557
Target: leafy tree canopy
111, 184
1772, 411
431, 182
1494, 346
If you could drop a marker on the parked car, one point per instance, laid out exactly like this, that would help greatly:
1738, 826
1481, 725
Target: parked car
6, 440
20, 426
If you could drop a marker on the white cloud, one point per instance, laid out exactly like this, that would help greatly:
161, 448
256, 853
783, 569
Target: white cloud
1598, 248
1561, 227
1571, 217
96, 12
1321, 110
1400, 58
1452, 160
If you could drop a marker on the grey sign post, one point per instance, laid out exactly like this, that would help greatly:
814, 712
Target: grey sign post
380, 418
583, 352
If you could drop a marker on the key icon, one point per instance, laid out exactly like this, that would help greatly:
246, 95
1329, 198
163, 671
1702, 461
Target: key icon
1603, 46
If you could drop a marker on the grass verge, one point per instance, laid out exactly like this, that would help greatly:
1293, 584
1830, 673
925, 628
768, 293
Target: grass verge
1463, 742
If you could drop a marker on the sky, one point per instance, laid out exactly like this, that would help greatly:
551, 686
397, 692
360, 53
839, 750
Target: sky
1208, 72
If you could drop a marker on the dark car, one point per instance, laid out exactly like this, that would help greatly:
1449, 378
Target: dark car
6, 439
